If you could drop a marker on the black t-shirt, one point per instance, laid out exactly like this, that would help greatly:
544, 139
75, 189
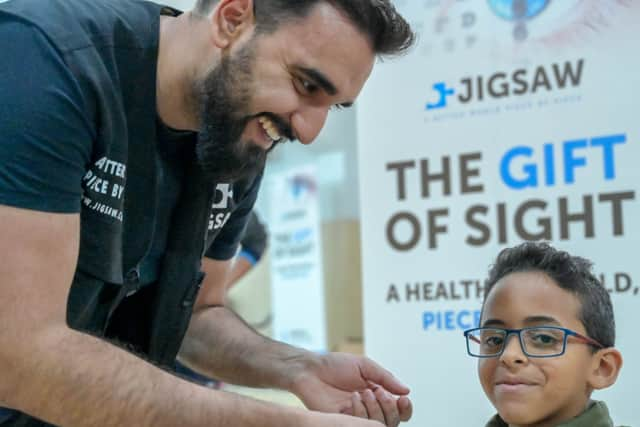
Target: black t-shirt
45, 137
79, 133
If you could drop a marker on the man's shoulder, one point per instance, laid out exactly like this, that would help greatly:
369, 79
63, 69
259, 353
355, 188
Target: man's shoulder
76, 24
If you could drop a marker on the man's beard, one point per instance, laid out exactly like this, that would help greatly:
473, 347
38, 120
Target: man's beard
224, 98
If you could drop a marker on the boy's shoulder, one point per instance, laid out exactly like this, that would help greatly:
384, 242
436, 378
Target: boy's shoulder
496, 421
597, 415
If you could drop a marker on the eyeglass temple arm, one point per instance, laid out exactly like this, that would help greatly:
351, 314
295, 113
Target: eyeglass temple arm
587, 339
473, 338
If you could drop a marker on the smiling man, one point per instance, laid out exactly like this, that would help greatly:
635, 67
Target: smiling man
132, 140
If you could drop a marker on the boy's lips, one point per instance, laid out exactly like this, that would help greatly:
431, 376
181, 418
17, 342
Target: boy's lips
513, 384
513, 381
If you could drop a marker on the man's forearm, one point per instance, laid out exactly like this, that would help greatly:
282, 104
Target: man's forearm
73, 379
222, 345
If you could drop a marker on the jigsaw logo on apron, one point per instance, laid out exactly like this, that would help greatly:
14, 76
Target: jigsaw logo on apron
222, 206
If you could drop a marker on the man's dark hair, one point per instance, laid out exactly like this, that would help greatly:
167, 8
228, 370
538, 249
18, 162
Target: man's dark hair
388, 32
571, 273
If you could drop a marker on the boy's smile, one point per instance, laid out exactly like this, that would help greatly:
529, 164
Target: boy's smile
529, 390
506, 383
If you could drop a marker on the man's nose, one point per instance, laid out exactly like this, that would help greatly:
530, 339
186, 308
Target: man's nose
308, 121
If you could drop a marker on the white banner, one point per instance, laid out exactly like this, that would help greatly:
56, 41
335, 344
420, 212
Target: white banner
296, 260
504, 124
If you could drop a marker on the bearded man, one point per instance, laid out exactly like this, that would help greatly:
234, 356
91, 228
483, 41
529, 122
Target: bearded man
132, 140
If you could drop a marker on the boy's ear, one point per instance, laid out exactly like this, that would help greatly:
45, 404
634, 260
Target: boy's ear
605, 368
231, 19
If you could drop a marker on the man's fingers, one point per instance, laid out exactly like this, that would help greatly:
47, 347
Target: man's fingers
357, 405
405, 408
373, 406
375, 373
389, 406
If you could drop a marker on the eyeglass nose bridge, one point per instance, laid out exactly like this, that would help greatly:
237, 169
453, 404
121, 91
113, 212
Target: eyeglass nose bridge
518, 336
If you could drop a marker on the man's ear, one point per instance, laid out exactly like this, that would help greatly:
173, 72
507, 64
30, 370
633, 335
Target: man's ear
231, 19
605, 368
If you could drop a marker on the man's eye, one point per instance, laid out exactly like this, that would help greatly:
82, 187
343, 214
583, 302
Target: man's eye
306, 86
337, 107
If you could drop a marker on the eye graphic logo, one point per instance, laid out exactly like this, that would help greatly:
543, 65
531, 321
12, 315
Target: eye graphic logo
518, 11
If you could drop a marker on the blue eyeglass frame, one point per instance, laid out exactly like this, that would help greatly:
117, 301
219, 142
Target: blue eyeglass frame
518, 332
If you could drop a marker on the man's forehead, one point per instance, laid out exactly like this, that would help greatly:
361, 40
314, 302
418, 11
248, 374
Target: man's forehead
328, 46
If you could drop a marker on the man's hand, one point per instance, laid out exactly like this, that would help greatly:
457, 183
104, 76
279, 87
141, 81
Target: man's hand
318, 419
349, 384
221, 345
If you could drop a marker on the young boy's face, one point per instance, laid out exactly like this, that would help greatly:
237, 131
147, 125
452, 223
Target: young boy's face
527, 390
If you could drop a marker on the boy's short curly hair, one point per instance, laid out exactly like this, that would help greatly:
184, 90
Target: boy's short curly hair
571, 273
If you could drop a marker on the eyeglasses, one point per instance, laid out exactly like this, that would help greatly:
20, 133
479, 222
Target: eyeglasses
540, 341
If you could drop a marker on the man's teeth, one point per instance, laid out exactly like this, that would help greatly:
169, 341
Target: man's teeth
270, 128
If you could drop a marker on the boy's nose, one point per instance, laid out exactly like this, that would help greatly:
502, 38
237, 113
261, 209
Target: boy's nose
513, 352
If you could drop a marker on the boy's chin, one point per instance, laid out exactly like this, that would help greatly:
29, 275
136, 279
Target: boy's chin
518, 414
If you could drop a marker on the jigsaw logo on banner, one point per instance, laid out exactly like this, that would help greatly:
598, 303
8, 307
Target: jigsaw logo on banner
471, 90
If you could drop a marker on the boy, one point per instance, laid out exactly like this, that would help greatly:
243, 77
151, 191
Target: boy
561, 320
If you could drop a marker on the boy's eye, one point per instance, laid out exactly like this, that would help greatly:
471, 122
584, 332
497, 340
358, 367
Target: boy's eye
542, 339
493, 341
337, 107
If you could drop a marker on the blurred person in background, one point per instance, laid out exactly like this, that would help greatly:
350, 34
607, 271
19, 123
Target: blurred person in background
252, 247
